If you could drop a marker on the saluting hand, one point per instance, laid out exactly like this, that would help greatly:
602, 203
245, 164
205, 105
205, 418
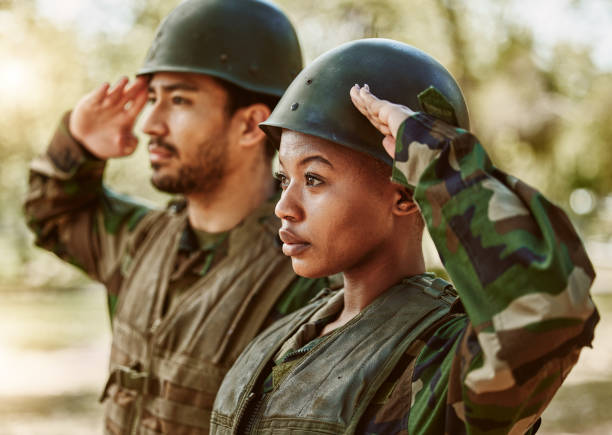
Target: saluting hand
384, 115
102, 120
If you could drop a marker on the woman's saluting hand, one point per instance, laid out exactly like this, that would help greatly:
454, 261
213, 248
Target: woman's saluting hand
384, 115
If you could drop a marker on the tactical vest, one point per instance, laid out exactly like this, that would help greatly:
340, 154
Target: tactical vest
165, 370
330, 388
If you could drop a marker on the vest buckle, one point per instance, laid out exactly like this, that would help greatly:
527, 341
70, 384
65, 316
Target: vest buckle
438, 288
128, 379
132, 379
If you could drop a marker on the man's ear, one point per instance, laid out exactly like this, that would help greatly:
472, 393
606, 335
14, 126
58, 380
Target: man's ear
249, 118
404, 204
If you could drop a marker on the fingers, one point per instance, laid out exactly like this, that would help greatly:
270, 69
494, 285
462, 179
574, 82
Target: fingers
134, 97
358, 100
116, 91
383, 115
97, 96
368, 97
137, 86
370, 106
365, 101
137, 104
122, 96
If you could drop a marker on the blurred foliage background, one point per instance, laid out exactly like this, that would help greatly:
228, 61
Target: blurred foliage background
540, 107
539, 103
537, 77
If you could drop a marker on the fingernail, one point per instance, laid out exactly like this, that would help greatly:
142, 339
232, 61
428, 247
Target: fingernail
367, 87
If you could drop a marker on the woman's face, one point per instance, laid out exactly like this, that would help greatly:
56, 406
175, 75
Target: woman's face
336, 206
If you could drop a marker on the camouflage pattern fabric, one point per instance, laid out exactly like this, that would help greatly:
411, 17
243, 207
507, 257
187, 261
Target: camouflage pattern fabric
523, 277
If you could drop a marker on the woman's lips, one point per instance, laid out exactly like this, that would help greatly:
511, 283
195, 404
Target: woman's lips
292, 245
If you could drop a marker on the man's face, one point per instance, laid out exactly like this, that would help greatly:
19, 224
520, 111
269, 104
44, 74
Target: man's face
336, 210
187, 124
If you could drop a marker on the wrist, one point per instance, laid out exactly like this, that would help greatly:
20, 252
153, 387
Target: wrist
78, 140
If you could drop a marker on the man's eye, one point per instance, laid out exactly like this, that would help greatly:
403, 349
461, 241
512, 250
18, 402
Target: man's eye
282, 179
313, 180
179, 100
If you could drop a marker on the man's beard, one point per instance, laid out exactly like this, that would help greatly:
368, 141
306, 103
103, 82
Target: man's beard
204, 175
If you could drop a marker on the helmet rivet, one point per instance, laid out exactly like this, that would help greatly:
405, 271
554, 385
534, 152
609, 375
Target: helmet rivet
294, 106
223, 57
309, 81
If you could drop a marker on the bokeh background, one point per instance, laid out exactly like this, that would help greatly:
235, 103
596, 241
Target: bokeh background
538, 80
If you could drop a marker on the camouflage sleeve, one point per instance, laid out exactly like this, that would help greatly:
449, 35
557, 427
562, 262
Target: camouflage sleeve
521, 272
73, 215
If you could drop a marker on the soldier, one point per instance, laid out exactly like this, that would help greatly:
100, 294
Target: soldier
399, 350
191, 285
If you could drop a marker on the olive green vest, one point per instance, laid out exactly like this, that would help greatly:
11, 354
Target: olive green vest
328, 391
165, 370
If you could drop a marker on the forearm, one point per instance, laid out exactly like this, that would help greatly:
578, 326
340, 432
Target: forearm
70, 211
65, 178
515, 259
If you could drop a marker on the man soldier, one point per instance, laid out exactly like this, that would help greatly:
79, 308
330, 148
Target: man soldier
191, 285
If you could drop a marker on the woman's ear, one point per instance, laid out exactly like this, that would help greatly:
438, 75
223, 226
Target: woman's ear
249, 118
404, 204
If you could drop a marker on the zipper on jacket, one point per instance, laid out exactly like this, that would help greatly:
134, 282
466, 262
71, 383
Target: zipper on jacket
248, 415
265, 367
253, 411
240, 415
252, 414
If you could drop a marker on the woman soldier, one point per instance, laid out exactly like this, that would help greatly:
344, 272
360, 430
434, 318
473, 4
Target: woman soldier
396, 351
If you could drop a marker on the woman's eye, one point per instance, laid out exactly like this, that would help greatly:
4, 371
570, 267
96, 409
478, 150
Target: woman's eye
151, 100
312, 180
282, 179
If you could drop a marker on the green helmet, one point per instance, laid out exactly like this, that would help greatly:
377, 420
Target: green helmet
318, 102
250, 43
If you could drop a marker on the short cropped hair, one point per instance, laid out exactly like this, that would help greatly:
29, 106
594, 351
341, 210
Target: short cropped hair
238, 98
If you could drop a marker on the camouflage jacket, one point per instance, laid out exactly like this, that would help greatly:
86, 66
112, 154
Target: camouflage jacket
522, 276
161, 275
